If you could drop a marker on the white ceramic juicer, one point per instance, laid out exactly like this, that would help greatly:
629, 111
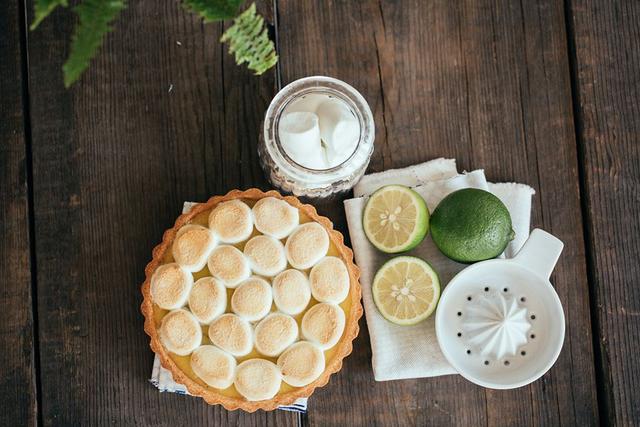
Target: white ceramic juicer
500, 322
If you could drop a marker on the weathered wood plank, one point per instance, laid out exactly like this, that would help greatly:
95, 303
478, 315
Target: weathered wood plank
17, 366
606, 66
162, 116
487, 83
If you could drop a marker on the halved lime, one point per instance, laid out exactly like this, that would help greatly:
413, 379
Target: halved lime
406, 290
395, 219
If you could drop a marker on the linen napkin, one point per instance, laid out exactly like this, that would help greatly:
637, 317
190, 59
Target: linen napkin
163, 380
400, 352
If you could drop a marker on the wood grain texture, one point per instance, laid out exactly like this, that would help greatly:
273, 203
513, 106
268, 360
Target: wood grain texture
17, 367
606, 56
162, 116
487, 83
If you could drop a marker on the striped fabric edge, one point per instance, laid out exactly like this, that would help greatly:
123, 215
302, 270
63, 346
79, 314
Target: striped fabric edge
163, 381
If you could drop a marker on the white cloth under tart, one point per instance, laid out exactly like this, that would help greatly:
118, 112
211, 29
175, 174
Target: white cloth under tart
258, 379
323, 325
274, 217
208, 299
307, 245
228, 263
170, 286
215, 367
275, 333
266, 255
180, 332
329, 280
232, 334
301, 364
232, 221
192, 246
291, 291
252, 299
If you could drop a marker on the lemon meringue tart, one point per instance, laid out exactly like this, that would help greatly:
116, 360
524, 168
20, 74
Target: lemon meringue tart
252, 300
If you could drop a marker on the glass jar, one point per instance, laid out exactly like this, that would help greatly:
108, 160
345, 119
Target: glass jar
291, 177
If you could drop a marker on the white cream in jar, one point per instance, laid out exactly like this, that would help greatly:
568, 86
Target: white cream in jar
319, 131
318, 137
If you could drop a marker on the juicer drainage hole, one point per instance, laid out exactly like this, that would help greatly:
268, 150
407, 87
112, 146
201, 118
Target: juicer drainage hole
468, 351
459, 313
486, 289
506, 363
459, 334
523, 299
533, 317
506, 289
533, 336
523, 353
468, 298
486, 362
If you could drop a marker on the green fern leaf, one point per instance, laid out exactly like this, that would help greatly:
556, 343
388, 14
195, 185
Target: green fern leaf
214, 10
95, 17
43, 8
249, 41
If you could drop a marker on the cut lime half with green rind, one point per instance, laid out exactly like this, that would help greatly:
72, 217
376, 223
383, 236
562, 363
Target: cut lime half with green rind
395, 219
406, 290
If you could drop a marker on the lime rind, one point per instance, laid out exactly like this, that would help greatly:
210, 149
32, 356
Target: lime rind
435, 283
421, 225
471, 225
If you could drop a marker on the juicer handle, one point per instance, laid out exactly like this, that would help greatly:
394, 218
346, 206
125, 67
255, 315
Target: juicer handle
540, 252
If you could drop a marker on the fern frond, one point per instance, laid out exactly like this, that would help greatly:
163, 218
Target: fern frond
95, 17
214, 10
249, 41
43, 8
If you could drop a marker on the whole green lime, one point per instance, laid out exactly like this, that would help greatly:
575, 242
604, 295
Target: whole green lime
471, 225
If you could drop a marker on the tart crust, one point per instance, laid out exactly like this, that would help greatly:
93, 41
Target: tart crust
343, 347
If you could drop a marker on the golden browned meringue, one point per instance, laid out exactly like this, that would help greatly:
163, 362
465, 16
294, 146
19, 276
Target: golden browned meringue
228, 264
323, 325
291, 291
275, 217
213, 366
257, 379
208, 299
307, 245
231, 221
301, 363
329, 280
170, 286
192, 246
232, 334
180, 332
252, 299
266, 255
275, 333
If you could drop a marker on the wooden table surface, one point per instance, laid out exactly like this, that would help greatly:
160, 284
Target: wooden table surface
540, 92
